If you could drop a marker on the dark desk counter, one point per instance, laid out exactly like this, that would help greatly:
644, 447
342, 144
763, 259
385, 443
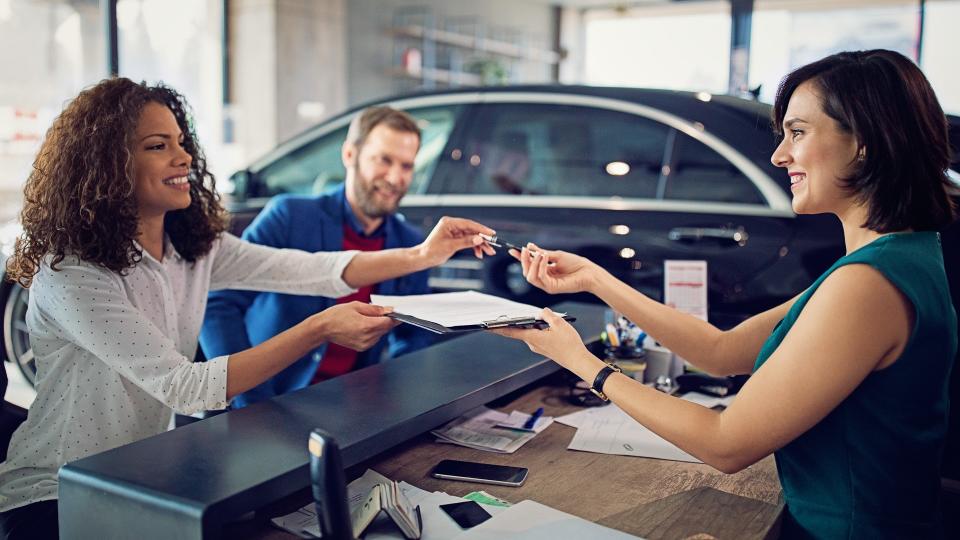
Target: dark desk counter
188, 482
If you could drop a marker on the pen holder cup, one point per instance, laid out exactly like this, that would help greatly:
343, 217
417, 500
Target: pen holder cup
661, 362
632, 360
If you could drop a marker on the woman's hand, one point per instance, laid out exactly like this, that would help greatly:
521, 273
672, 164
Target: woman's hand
450, 235
560, 342
556, 271
354, 325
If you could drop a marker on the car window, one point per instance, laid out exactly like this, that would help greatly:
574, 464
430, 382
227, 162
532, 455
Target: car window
316, 166
699, 173
567, 150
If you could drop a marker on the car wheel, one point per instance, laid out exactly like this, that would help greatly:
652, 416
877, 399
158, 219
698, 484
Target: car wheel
16, 338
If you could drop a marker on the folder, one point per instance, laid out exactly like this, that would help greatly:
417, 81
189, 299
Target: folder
448, 313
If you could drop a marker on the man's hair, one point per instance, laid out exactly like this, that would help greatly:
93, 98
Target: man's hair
371, 117
79, 199
887, 104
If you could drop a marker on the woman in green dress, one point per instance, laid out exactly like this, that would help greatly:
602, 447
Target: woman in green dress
849, 378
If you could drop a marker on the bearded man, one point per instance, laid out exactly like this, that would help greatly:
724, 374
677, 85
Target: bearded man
360, 214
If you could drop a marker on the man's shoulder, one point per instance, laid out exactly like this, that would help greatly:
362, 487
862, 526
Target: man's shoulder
408, 232
315, 207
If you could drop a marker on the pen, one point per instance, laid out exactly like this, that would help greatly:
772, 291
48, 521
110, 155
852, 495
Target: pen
497, 242
533, 418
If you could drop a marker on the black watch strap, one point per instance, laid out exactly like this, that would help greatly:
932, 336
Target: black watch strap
601, 378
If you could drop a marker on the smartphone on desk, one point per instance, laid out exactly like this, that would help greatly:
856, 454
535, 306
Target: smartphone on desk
485, 473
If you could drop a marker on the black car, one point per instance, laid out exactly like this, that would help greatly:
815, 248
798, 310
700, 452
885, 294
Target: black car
626, 177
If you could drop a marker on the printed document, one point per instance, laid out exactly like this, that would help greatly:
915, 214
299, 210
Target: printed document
609, 430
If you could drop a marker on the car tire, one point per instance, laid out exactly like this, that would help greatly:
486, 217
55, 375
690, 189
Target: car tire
16, 338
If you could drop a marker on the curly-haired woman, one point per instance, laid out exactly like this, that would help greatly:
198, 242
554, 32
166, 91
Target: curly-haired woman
849, 378
123, 238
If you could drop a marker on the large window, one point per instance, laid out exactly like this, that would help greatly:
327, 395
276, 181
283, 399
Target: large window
677, 46
49, 51
178, 42
786, 35
938, 57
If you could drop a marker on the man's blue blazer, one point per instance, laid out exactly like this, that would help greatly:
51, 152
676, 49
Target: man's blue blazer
236, 320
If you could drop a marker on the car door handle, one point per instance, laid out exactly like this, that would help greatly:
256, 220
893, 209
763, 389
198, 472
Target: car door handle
737, 236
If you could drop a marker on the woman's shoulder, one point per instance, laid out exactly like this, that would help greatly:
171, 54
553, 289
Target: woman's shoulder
71, 270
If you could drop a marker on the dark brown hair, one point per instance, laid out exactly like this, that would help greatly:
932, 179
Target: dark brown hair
79, 198
371, 117
887, 104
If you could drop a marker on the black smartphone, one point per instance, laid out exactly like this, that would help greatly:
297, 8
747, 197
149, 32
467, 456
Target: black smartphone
467, 514
485, 473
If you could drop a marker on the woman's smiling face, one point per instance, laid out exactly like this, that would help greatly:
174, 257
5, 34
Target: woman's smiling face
161, 165
817, 154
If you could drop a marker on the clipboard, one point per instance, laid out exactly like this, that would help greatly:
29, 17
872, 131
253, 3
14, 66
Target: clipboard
500, 322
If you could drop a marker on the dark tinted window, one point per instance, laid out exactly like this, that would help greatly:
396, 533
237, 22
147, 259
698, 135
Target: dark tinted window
698, 173
556, 150
316, 165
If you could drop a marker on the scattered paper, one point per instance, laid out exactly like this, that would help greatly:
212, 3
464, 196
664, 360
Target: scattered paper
609, 430
479, 430
530, 520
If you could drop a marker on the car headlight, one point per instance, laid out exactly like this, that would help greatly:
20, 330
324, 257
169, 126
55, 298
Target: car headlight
9, 232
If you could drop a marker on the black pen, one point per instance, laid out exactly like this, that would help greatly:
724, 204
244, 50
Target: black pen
497, 242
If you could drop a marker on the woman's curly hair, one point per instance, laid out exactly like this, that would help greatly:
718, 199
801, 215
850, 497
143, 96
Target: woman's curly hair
79, 200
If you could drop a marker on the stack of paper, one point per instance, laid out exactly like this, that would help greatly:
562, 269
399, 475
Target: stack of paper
491, 431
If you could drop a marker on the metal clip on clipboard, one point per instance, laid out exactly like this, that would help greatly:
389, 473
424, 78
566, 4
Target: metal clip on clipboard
505, 320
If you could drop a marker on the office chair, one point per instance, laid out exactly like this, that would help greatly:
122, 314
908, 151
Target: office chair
329, 486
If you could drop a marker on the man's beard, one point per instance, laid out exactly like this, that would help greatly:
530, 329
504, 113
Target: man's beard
365, 193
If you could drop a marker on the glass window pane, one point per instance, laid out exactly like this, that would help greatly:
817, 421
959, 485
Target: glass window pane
178, 42
678, 46
317, 165
49, 52
559, 150
701, 174
786, 35
941, 41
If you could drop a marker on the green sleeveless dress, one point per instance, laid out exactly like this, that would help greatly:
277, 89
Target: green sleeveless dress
870, 468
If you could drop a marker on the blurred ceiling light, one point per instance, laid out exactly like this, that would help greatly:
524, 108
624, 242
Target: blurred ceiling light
698, 126
619, 230
617, 168
704, 96
627, 253
475, 160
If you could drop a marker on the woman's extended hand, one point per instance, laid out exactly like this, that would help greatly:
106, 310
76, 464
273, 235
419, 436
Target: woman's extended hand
450, 235
560, 342
556, 271
354, 325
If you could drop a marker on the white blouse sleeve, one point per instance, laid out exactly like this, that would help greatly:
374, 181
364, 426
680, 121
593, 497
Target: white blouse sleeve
238, 264
86, 306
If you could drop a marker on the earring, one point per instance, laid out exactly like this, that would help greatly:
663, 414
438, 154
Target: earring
862, 154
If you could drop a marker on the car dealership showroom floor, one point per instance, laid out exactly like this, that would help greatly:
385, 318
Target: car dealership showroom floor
182, 384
